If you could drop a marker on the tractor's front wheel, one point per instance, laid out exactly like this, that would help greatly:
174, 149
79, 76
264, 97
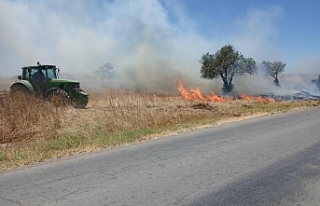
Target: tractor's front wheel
80, 103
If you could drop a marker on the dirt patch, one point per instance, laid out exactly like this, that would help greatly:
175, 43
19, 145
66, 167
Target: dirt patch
205, 106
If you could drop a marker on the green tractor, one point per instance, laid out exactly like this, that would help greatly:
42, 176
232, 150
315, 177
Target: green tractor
43, 81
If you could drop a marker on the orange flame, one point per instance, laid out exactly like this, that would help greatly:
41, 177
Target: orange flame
215, 98
195, 94
191, 94
259, 99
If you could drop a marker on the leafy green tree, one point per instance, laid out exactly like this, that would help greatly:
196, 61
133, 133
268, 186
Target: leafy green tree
273, 69
225, 63
247, 66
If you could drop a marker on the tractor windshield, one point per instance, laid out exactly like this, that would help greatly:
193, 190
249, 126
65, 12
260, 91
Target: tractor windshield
51, 74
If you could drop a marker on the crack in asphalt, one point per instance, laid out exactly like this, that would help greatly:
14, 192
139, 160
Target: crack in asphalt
13, 202
85, 189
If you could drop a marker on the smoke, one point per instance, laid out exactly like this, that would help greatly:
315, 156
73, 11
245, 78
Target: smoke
307, 65
149, 42
257, 31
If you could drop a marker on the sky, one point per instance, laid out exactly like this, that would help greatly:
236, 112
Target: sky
293, 27
152, 40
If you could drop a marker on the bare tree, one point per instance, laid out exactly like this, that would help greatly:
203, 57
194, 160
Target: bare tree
106, 71
273, 69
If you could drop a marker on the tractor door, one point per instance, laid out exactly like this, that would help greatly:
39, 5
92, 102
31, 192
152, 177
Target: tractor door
38, 79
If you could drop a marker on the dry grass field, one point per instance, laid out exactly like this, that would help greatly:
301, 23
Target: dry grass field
33, 130
6, 82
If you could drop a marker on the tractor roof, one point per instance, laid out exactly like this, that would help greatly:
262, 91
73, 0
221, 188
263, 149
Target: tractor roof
41, 66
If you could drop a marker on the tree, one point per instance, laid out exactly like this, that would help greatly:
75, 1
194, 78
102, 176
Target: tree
247, 66
225, 63
105, 71
273, 69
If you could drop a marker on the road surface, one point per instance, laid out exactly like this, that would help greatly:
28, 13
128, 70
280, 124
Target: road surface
273, 160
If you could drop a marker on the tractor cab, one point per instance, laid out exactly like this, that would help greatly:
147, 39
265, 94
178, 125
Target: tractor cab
39, 76
39, 73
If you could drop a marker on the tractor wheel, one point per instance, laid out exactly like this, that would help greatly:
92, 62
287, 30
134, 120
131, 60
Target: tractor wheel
58, 98
19, 91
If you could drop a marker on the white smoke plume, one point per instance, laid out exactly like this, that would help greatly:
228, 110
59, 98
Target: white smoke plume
138, 37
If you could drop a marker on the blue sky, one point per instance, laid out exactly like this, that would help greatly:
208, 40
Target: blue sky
298, 26
81, 35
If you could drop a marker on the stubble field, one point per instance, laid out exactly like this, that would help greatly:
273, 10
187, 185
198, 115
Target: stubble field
33, 130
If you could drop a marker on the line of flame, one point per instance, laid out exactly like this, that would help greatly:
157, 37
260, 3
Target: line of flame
196, 94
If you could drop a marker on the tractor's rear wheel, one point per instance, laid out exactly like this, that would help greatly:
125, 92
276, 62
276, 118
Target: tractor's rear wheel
19, 91
58, 98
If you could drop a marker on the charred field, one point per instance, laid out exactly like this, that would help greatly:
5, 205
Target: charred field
33, 130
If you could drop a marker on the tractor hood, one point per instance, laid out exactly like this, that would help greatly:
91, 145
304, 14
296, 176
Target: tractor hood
63, 81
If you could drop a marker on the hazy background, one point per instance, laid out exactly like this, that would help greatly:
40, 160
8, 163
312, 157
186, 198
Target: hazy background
149, 42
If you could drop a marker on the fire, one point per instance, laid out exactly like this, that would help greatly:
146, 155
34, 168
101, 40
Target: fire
215, 98
258, 98
195, 94
189, 94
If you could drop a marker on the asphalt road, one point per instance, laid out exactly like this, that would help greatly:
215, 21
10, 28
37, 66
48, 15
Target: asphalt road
272, 160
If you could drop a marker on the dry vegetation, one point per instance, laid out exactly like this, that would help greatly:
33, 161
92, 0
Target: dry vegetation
33, 130
27, 118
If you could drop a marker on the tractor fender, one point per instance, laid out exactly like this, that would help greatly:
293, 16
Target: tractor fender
24, 83
50, 90
82, 92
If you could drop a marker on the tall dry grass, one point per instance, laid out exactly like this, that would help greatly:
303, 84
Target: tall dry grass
120, 111
27, 118
113, 117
